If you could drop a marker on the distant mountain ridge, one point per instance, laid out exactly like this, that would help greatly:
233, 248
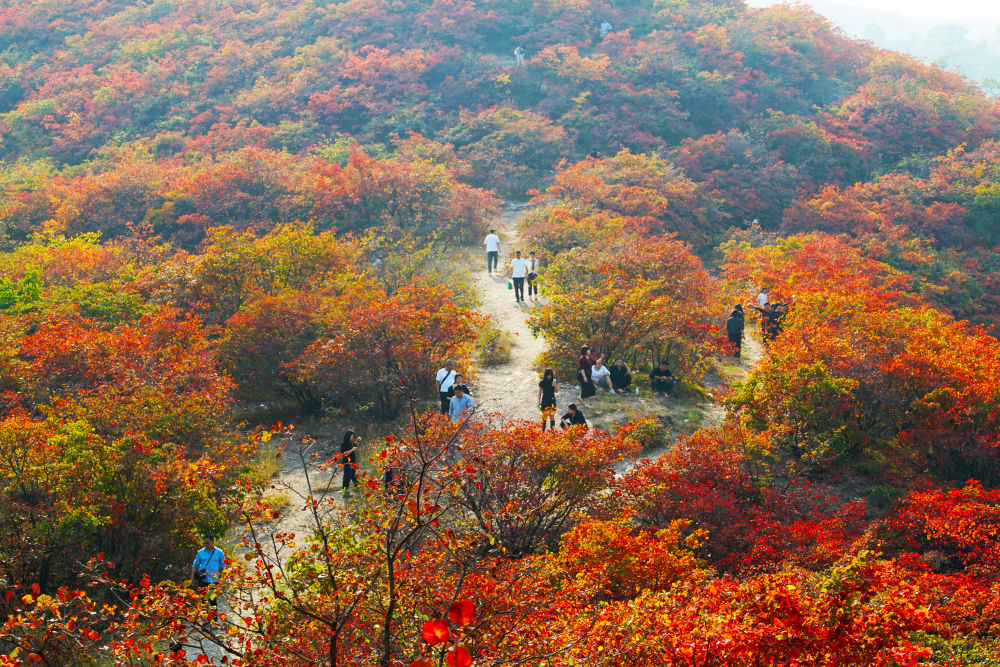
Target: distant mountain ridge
856, 20
968, 46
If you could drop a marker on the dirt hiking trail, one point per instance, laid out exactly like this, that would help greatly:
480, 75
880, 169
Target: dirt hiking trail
510, 389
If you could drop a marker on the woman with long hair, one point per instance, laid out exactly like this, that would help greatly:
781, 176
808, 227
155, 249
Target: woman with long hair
547, 389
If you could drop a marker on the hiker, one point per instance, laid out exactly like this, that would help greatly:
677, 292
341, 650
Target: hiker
768, 317
762, 298
519, 55
547, 389
573, 418
600, 375
777, 324
605, 28
585, 364
208, 564
734, 329
445, 380
461, 405
661, 379
348, 458
621, 377
518, 272
492, 245
532, 274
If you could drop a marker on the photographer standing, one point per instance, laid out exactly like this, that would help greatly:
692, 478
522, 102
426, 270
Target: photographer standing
208, 563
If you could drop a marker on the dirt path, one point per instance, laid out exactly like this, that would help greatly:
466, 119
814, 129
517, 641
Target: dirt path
511, 389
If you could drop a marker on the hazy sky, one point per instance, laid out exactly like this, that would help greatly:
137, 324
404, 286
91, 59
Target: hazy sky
955, 9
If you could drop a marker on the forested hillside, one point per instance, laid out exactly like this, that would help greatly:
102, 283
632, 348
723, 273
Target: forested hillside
219, 217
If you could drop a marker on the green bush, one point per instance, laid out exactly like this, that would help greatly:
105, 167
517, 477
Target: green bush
493, 345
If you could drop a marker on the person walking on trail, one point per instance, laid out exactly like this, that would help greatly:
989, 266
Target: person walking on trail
661, 379
532, 274
492, 245
518, 272
601, 375
461, 405
547, 389
605, 28
585, 365
348, 459
445, 380
519, 55
734, 329
208, 564
621, 377
573, 417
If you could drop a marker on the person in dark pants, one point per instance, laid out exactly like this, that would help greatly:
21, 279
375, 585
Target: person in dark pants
768, 322
573, 417
734, 329
621, 377
348, 457
492, 245
445, 380
518, 272
583, 375
532, 274
547, 389
778, 319
208, 564
661, 379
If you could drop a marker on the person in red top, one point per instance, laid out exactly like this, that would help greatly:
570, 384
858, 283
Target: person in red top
583, 375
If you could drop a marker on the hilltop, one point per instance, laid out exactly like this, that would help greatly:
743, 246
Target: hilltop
222, 219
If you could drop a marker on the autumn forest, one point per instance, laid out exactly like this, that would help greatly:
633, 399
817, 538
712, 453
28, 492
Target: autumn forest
231, 229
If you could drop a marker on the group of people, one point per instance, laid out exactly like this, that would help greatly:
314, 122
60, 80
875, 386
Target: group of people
453, 393
772, 319
592, 374
521, 269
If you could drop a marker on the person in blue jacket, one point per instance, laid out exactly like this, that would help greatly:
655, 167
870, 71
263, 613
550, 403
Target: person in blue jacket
208, 564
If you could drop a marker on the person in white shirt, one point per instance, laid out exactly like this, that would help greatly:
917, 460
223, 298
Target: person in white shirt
518, 272
532, 274
601, 375
492, 245
762, 298
605, 28
445, 381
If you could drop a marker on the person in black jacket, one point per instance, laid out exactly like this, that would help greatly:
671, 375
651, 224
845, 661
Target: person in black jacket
348, 457
573, 417
547, 389
661, 380
621, 376
734, 329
